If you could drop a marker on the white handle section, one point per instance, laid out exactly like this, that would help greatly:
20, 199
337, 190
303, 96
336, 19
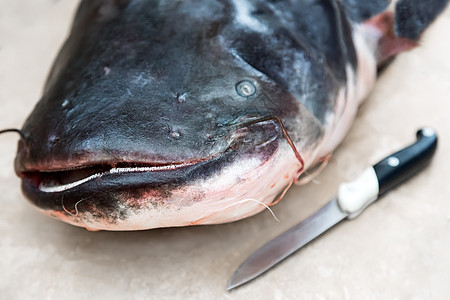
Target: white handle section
355, 196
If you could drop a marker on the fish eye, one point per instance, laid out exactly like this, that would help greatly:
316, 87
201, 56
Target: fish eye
245, 88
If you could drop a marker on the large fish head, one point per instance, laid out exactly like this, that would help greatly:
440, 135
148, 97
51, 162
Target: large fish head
149, 122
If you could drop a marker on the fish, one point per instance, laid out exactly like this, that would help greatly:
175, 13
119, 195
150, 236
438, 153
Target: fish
192, 112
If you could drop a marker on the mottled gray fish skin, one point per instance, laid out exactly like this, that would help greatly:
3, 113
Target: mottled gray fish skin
153, 110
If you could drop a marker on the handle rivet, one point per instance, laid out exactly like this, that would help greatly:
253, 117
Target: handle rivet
393, 161
428, 132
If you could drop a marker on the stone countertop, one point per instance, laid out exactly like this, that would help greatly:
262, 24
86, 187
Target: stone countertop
397, 249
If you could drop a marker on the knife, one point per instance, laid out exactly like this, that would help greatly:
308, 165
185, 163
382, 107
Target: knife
353, 197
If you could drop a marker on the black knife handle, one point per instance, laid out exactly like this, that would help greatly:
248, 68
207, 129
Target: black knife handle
403, 164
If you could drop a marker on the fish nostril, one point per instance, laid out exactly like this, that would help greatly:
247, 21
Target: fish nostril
107, 70
181, 97
52, 139
65, 103
175, 134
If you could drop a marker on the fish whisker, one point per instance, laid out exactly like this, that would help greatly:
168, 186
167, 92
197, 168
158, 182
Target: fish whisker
254, 200
75, 206
285, 134
13, 130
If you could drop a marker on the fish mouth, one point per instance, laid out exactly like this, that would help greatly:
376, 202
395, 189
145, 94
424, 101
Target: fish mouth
54, 177
61, 180
110, 192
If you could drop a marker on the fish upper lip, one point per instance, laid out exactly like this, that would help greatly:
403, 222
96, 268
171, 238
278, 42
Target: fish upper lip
111, 164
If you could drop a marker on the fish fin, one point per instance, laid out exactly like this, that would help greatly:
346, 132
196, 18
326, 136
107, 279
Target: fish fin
412, 17
389, 44
400, 30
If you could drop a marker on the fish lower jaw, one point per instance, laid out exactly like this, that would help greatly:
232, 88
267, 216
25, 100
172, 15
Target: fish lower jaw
223, 198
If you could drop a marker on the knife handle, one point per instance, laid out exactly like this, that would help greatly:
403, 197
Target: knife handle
405, 163
354, 197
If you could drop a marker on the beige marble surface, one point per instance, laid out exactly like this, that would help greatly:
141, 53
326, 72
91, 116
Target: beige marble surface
398, 249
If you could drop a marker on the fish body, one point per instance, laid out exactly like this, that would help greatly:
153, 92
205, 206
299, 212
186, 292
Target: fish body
177, 113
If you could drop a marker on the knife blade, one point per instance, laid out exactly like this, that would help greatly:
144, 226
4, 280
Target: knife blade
353, 197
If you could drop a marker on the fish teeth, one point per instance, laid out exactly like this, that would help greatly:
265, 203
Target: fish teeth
48, 187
